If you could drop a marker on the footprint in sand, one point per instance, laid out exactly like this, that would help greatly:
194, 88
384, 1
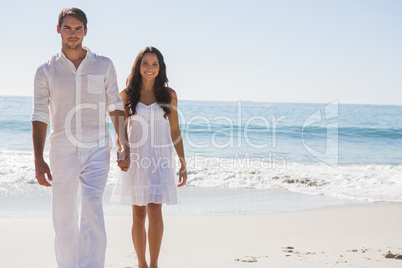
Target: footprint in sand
290, 250
390, 255
248, 259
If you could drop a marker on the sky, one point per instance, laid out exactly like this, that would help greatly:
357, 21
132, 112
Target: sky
311, 51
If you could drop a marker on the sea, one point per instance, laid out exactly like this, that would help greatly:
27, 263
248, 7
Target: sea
243, 158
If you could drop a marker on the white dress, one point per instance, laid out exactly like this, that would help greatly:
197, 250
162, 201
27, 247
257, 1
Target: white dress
151, 177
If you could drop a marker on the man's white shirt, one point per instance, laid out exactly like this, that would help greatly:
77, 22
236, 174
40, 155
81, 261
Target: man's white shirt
76, 101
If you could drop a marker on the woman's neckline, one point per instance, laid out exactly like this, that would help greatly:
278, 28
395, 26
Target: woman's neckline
147, 104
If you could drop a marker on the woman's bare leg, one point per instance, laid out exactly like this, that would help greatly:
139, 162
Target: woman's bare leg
139, 234
155, 232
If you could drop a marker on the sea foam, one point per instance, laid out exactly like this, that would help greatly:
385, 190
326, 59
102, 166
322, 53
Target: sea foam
353, 181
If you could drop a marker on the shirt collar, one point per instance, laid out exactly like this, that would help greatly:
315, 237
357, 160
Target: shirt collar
59, 54
90, 54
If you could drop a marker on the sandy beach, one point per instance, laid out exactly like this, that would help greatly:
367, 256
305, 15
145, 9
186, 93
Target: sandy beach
349, 236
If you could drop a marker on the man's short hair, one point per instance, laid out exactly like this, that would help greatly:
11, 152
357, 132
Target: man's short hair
74, 12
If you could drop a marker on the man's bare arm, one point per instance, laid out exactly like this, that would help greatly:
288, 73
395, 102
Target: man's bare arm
123, 150
39, 130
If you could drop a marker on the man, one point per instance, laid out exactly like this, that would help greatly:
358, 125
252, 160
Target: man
74, 89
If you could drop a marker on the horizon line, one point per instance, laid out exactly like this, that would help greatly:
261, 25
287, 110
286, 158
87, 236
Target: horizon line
279, 102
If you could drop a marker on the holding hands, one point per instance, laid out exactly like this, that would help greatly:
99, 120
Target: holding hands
123, 159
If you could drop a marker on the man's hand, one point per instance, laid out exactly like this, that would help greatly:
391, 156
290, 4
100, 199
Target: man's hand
41, 168
123, 159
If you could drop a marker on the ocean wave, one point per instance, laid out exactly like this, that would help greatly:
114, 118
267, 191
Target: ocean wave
15, 125
383, 133
365, 182
355, 181
318, 132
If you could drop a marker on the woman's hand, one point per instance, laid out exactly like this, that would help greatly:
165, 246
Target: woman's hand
182, 175
123, 159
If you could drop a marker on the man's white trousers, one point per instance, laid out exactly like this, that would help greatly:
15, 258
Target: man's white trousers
80, 240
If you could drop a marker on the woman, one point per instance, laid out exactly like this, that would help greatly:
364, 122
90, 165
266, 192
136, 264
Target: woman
150, 180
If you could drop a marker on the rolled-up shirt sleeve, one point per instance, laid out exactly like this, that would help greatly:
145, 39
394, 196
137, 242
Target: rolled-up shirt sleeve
41, 97
113, 100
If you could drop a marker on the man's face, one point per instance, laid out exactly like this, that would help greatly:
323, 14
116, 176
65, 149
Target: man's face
72, 33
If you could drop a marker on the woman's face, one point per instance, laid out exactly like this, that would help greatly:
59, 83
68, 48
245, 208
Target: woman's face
149, 67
